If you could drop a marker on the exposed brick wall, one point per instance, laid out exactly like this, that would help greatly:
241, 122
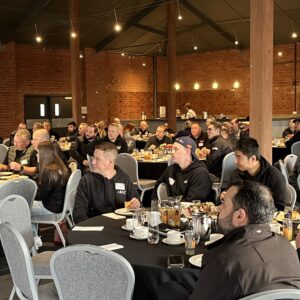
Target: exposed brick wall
116, 86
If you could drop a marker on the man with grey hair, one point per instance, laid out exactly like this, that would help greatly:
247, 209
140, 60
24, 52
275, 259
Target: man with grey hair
249, 258
104, 189
21, 156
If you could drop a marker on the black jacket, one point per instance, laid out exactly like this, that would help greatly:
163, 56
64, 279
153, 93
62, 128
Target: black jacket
294, 139
156, 142
271, 177
287, 131
193, 183
247, 260
119, 142
97, 195
202, 140
219, 148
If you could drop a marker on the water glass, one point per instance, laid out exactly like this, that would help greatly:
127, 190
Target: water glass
155, 205
138, 214
153, 227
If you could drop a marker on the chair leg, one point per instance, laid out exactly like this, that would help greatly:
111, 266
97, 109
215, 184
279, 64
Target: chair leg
60, 234
142, 196
12, 293
70, 221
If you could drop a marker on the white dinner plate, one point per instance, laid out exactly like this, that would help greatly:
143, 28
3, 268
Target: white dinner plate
185, 204
124, 227
214, 237
166, 241
196, 260
6, 173
124, 212
138, 238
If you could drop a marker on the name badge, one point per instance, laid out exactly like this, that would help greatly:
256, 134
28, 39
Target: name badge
118, 147
215, 148
24, 162
200, 144
120, 186
171, 181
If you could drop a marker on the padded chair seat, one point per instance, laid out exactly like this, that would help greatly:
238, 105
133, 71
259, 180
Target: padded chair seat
147, 183
41, 263
48, 218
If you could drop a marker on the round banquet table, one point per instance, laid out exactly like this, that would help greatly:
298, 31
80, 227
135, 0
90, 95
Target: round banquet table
279, 153
151, 169
149, 262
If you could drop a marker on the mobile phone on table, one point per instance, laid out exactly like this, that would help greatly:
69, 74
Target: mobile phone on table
175, 261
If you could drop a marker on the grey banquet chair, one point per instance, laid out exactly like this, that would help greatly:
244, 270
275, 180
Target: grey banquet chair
3, 152
21, 267
290, 161
77, 275
295, 148
6, 142
26, 188
55, 219
15, 210
274, 294
283, 171
162, 192
292, 195
130, 166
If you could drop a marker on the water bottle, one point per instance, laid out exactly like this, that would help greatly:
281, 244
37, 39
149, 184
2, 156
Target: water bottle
153, 227
190, 242
287, 224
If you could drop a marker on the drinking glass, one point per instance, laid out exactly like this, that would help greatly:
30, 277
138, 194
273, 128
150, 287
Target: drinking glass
155, 205
153, 227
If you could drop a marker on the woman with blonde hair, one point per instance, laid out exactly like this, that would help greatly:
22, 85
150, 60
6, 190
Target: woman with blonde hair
52, 181
102, 130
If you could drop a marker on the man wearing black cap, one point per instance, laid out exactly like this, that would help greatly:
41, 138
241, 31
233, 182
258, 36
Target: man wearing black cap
187, 177
296, 137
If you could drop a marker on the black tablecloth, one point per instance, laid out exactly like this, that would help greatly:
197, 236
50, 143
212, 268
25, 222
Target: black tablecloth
279, 153
148, 261
151, 170
140, 144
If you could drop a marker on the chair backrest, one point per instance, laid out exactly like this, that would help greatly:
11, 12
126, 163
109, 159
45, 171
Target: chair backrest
283, 171
129, 165
131, 143
89, 159
162, 192
73, 166
6, 142
274, 294
3, 152
71, 186
26, 188
228, 166
19, 261
77, 275
295, 148
292, 194
15, 210
289, 162
170, 162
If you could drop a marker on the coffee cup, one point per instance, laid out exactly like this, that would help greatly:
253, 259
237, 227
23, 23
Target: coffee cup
131, 223
174, 236
140, 232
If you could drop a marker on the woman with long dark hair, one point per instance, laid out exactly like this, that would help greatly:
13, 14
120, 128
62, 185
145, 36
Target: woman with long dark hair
53, 177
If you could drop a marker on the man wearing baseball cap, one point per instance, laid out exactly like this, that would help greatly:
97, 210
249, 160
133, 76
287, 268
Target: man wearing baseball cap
187, 176
296, 137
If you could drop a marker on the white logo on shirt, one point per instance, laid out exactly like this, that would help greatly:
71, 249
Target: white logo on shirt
171, 181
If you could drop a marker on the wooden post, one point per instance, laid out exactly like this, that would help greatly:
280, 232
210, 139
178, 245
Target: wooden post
75, 61
261, 74
171, 55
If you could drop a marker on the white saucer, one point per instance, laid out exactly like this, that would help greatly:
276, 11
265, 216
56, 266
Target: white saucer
214, 237
124, 227
196, 260
166, 241
124, 212
6, 173
138, 238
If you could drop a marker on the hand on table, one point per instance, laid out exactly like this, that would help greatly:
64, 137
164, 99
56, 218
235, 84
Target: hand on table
3, 167
133, 203
14, 166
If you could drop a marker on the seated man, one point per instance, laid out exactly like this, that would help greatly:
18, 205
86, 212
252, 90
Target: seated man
253, 167
113, 136
289, 131
249, 258
80, 148
12, 135
142, 130
186, 131
217, 150
158, 139
72, 132
236, 132
187, 177
106, 188
296, 137
53, 134
21, 156
200, 137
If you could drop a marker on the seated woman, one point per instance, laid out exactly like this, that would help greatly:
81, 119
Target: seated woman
53, 177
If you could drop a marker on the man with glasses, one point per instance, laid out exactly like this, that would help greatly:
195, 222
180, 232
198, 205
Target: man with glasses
249, 258
254, 167
218, 149
187, 177
104, 189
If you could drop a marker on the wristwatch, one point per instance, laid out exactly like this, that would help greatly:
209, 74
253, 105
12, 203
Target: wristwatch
21, 168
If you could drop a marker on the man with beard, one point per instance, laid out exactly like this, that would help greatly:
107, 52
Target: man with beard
249, 258
79, 148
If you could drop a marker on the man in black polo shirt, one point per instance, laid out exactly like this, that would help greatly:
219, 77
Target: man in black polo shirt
159, 139
296, 137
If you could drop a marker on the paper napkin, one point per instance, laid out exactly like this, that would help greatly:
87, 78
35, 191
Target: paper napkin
113, 216
88, 228
112, 246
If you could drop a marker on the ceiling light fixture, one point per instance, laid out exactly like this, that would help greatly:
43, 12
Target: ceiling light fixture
196, 86
38, 37
279, 53
117, 27
123, 54
294, 34
178, 8
215, 85
177, 86
236, 84
144, 64
236, 42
